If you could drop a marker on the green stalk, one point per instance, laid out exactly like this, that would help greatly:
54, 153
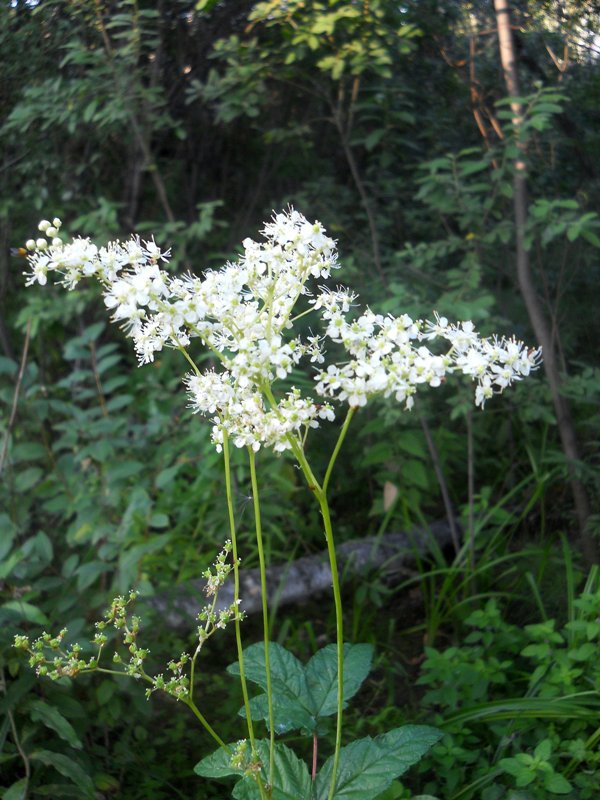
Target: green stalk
339, 630
321, 495
338, 447
189, 703
265, 610
236, 589
206, 725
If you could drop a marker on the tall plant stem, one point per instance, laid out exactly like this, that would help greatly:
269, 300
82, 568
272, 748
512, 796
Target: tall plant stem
535, 311
339, 631
236, 588
320, 493
265, 610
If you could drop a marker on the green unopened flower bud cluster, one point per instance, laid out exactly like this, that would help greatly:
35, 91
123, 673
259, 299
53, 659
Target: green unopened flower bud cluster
242, 759
117, 615
210, 618
58, 663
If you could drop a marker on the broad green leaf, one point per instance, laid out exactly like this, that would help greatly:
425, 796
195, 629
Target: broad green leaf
87, 573
27, 451
8, 366
22, 610
321, 675
53, 719
288, 714
217, 764
28, 478
67, 767
290, 779
556, 784
368, 766
17, 791
287, 672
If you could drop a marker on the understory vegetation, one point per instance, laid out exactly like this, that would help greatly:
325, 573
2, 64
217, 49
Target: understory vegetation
398, 128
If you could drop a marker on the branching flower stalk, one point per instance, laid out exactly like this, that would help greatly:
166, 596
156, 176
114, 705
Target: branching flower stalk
244, 314
51, 659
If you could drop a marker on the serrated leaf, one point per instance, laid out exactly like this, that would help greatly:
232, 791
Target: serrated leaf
51, 717
321, 675
217, 764
287, 672
288, 714
290, 779
368, 766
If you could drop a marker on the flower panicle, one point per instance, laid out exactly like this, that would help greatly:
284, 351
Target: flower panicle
243, 313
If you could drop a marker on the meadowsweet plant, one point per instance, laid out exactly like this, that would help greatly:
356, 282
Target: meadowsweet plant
244, 314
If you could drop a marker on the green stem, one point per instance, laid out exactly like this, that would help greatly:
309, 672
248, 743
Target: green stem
339, 629
338, 447
236, 589
189, 703
321, 496
206, 725
265, 610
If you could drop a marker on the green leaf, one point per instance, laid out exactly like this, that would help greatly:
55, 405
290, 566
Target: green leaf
28, 478
288, 714
544, 750
22, 610
53, 719
290, 779
287, 673
556, 784
67, 767
27, 451
87, 573
368, 766
322, 670
17, 791
217, 764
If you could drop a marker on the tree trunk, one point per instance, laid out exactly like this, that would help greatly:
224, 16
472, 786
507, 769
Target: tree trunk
537, 318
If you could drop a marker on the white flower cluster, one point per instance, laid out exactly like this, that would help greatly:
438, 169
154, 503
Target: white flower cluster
388, 357
242, 314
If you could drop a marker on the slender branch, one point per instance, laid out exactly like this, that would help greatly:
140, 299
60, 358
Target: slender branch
13, 411
439, 474
236, 578
338, 447
265, 610
206, 725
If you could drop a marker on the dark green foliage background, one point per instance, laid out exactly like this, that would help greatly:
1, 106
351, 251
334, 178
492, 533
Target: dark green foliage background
191, 122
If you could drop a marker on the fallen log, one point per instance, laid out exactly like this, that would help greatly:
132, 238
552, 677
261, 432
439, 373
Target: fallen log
306, 577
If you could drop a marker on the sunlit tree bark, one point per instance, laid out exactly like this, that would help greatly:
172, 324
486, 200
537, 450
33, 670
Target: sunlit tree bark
528, 289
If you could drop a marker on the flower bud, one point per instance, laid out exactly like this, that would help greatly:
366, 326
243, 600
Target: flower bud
57, 241
44, 225
56, 222
41, 244
30, 244
51, 231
